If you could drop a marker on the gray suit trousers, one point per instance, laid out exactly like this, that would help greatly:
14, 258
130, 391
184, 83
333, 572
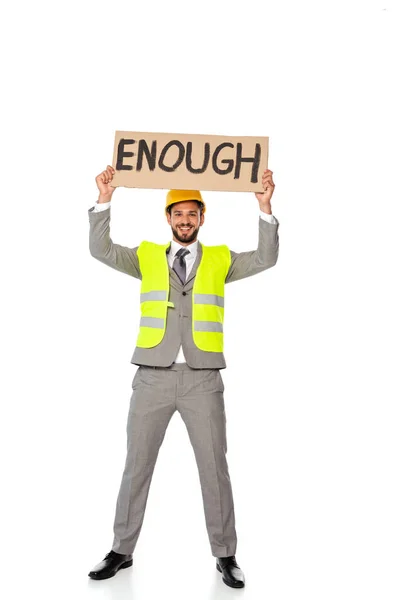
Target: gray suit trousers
198, 395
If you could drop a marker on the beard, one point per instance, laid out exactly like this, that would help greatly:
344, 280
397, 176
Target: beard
185, 238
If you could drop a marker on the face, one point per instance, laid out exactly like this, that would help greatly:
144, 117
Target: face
185, 221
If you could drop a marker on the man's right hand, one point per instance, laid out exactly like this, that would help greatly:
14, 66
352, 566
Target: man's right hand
103, 183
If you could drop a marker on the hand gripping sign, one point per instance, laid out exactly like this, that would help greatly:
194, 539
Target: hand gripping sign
186, 161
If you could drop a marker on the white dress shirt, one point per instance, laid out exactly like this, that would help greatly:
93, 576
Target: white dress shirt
189, 258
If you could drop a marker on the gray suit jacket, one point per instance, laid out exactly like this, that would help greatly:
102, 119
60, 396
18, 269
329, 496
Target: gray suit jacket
179, 319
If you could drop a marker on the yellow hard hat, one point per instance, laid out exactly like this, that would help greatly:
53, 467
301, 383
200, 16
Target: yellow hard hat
174, 196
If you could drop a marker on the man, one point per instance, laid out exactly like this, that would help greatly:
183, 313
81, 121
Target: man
179, 353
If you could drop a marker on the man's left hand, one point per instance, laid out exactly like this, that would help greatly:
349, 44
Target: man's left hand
265, 198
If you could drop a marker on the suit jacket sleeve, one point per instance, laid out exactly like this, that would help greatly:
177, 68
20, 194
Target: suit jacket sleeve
245, 264
103, 248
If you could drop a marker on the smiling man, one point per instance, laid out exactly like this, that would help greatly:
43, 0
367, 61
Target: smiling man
185, 215
179, 353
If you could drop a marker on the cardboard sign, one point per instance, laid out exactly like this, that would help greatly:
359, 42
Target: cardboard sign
189, 162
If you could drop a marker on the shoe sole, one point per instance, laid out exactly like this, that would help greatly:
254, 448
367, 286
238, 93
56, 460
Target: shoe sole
239, 584
124, 565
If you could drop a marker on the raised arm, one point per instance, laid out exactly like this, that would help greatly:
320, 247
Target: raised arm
245, 264
101, 245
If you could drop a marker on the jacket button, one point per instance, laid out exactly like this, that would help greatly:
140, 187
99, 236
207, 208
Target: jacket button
183, 293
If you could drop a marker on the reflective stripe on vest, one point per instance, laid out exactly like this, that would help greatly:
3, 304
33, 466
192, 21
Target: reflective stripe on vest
161, 295
207, 297
207, 326
152, 322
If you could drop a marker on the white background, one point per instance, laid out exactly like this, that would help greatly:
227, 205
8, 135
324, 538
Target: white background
312, 345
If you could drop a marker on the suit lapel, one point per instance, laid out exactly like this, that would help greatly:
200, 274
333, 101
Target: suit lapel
193, 272
171, 271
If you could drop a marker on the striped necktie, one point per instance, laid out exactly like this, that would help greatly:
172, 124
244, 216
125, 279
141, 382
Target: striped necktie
179, 264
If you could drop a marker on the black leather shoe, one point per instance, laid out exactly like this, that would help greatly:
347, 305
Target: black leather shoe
109, 566
232, 575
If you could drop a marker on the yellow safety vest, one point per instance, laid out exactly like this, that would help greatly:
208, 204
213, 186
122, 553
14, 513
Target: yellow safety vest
207, 296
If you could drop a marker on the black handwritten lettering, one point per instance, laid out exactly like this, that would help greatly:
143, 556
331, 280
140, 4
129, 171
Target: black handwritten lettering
179, 160
192, 157
151, 155
121, 154
189, 149
255, 160
229, 161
